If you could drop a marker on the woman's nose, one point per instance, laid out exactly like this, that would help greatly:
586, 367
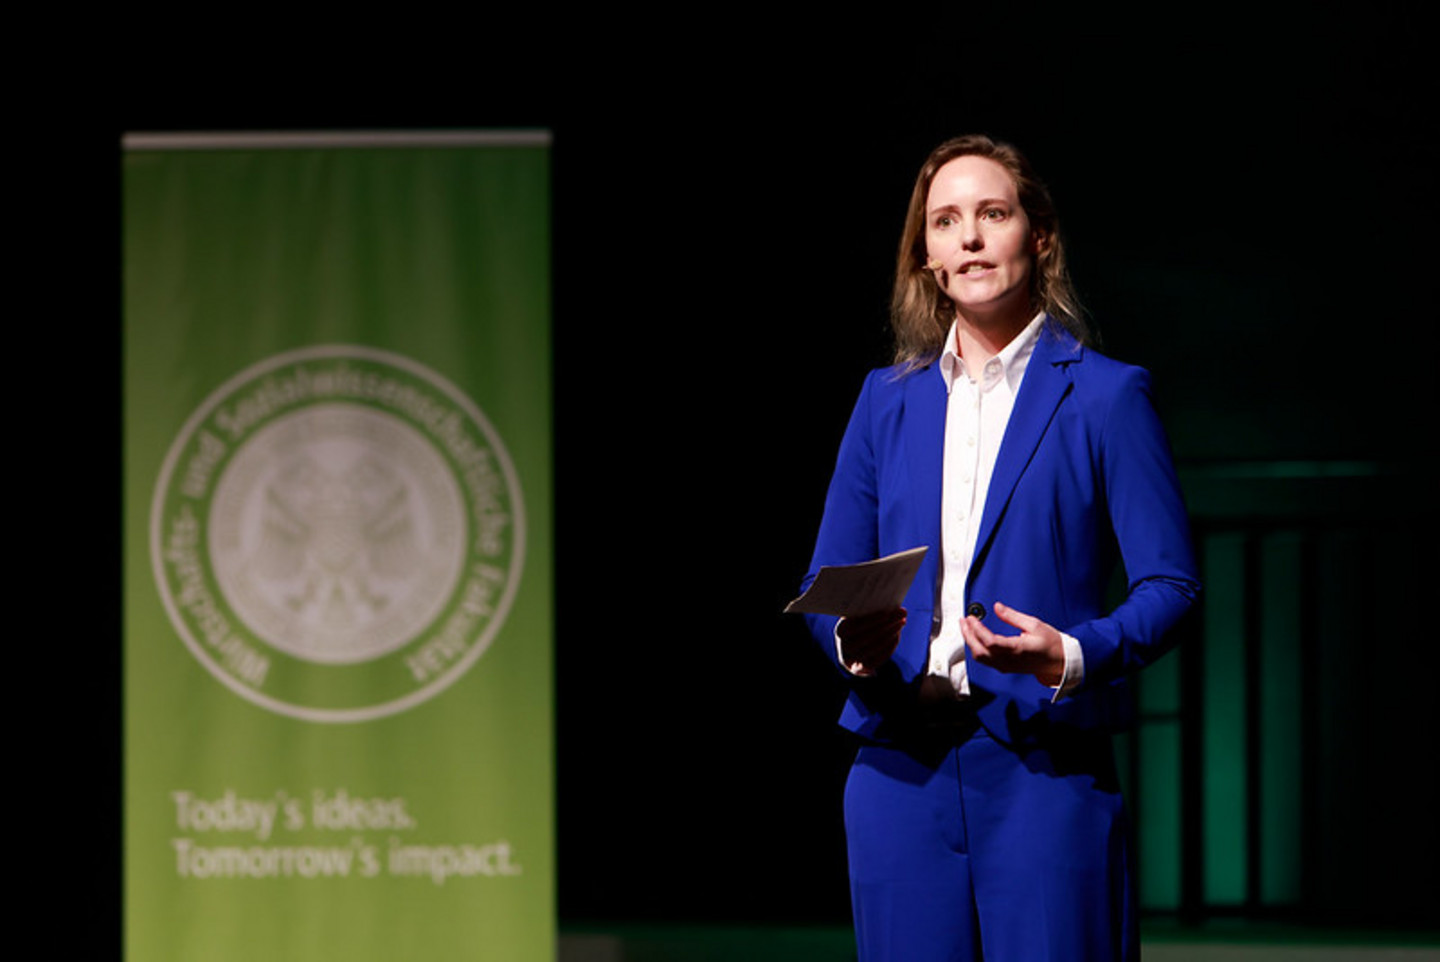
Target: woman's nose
970, 238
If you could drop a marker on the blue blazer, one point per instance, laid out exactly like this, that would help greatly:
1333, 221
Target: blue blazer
1084, 478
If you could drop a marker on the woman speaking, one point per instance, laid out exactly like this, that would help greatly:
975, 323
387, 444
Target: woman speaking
983, 814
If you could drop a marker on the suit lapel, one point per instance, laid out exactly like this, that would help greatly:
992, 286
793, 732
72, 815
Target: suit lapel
1045, 385
925, 450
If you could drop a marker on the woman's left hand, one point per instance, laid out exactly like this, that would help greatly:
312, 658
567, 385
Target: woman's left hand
1038, 650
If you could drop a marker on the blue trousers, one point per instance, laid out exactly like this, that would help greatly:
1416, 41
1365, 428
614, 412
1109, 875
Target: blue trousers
964, 849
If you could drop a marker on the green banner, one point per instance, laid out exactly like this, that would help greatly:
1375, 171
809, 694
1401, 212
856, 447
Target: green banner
338, 582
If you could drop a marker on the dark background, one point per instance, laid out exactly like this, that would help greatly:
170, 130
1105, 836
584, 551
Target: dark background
1250, 210
1250, 217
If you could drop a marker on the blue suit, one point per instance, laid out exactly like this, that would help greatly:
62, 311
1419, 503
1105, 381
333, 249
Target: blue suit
1083, 479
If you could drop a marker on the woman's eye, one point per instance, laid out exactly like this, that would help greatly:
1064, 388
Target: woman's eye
944, 221
994, 213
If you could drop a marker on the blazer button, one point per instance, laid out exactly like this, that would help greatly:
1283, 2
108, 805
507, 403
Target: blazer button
975, 608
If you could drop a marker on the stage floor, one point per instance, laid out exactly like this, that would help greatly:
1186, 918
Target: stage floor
1163, 942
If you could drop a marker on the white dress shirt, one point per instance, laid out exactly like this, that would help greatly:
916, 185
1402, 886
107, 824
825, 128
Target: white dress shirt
976, 414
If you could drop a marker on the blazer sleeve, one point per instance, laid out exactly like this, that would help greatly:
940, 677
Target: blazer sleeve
1151, 528
849, 529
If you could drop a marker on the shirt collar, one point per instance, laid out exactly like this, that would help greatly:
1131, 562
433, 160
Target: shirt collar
1013, 357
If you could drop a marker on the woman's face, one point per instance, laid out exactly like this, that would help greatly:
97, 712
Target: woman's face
978, 232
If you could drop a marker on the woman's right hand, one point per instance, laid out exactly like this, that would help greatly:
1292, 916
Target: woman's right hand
868, 641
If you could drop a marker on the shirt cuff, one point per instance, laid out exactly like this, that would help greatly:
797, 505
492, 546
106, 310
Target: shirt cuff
1074, 675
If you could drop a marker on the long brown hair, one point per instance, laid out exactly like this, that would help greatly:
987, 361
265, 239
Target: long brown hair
920, 313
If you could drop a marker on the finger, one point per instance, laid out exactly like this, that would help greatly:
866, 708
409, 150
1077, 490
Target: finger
883, 637
988, 638
873, 648
885, 614
1008, 653
1019, 619
878, 620
997, 656
869, 640
977, 636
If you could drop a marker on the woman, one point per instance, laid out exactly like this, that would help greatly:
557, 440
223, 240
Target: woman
982, 812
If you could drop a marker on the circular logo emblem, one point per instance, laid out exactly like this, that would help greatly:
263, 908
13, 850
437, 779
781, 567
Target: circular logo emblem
337, 533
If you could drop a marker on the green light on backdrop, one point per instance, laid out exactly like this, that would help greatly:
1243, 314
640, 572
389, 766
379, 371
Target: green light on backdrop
1224, 781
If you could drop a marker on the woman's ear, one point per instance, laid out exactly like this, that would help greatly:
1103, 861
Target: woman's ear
1039, 242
